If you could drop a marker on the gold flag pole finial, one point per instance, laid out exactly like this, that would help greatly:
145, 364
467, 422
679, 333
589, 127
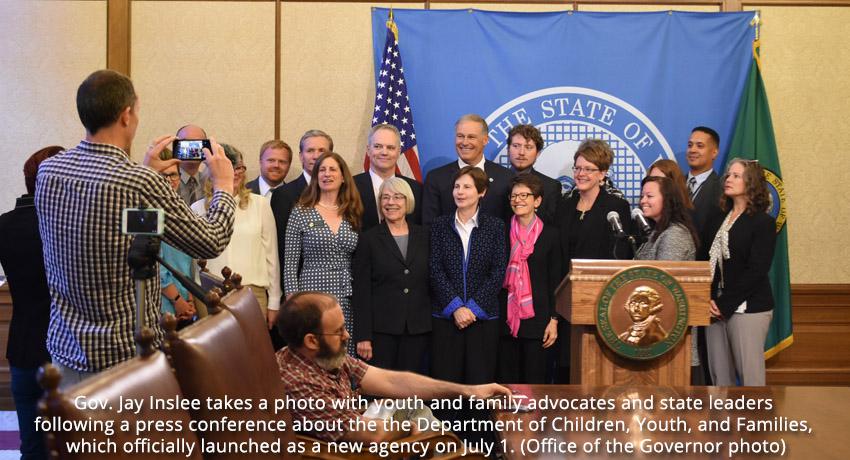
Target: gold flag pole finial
391, 24
756, 22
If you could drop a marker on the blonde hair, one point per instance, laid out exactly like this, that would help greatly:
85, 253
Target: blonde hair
242, 193
397, 185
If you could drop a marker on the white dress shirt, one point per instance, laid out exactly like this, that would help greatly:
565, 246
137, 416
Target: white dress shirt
480, 165
464, 229
701, 177
265, 188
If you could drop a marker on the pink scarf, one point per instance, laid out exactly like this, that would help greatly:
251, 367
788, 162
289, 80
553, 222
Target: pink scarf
517, 277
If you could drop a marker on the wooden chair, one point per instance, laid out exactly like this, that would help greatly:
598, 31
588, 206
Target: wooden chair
144, 377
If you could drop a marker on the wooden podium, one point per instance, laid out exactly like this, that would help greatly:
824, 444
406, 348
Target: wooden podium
592, 361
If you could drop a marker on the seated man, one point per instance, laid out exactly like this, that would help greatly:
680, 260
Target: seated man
318, 367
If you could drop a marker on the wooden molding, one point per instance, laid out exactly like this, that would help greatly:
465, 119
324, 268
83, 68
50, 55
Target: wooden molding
118, 35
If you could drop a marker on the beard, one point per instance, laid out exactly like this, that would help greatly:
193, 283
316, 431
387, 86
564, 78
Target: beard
327, 358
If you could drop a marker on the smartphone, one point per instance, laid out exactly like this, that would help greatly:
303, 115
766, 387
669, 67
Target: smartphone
136, 221
190, 149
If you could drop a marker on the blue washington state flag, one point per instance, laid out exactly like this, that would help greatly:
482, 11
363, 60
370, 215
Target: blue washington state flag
641, 81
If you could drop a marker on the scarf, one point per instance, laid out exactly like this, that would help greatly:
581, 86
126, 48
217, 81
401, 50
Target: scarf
719, 250
517, 276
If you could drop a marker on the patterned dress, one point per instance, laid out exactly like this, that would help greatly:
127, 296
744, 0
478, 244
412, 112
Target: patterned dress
316, 259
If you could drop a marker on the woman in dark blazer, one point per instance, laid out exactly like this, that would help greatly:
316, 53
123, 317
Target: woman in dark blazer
392, 309
583, 225
467, 269
740, 254
530, 323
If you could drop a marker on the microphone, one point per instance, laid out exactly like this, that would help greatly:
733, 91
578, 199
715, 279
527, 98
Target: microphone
637, 216
614, 220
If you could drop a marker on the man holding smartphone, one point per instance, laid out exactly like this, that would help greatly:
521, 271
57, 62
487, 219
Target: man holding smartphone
191, 187
79, 199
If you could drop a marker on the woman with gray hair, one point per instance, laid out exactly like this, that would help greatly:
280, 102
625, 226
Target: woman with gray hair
252, 251
392, 309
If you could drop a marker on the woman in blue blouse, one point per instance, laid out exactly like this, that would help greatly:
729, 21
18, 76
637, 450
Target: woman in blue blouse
467, 263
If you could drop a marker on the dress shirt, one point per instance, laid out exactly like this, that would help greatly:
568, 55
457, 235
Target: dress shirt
464, 229
265, 188
377, 181
191, 187
701, 177
480, 165
252, 251
306, 176
79, 198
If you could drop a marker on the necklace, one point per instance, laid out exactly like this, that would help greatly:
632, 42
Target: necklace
326, 206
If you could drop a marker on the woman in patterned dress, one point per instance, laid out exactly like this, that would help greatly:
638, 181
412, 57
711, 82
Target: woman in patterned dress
322, 234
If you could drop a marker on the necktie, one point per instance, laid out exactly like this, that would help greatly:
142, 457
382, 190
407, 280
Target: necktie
692, 186
192, 186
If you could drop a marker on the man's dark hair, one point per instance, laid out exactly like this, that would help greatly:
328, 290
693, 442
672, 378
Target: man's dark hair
530, 133
32, 163
102, 97
712, 133
302, 315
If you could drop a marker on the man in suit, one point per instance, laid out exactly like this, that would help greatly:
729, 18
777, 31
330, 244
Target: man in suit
525, 144
383, 150
470, 139
191, 187
703, 183
704, 188
275, 159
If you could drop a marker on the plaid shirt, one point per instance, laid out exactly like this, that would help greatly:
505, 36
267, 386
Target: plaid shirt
304, 379
79, 197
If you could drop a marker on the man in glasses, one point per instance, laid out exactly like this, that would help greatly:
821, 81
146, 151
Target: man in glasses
315, 367
383, 149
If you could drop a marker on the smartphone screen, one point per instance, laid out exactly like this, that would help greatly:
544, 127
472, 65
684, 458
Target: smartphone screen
190, 149
142, 221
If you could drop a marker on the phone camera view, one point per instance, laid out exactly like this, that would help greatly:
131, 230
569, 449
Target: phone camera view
142, 221
190, 149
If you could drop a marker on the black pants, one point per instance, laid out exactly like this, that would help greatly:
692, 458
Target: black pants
465, 355
400, 352
521, 360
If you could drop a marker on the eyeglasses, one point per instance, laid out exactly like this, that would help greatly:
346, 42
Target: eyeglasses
239, 169
170, 176
520, 196
577, 170
395, 197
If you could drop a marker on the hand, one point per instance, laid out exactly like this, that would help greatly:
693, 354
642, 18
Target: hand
489, 390
463, 317
271, 317
183, 309
219, 167
152, 159
364, 349
551, 333
715, 312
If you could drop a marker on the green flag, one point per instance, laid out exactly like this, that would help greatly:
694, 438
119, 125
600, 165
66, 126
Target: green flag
754, 140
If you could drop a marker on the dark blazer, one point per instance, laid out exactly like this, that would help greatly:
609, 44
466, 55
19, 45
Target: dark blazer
707, 208
370, 208
485, 267
23, 262
596, 240
254, 185
282, 200
544, 266
551, 197
438, 199
391, 291
752, 240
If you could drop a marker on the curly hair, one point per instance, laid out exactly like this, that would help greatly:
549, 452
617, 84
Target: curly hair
674, 210
348, 198
528, 132
755, 187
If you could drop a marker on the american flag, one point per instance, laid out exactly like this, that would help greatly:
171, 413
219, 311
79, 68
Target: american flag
392, 105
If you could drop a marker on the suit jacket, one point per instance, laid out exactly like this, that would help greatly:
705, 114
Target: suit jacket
391, 291
370, 208
596, 240
254, 185
282, 200
23, 262
752, 240
474, 282
438, 199
551, 197
707, 208
544, 266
